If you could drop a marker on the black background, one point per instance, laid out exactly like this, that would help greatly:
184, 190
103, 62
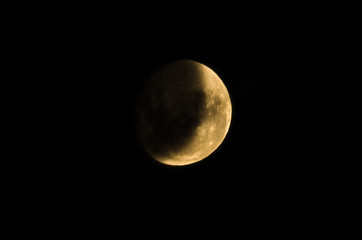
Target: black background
258, 175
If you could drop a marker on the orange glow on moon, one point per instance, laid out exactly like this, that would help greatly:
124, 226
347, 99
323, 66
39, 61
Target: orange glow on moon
184, 113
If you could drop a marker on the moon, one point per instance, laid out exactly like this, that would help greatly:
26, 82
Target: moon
183, 113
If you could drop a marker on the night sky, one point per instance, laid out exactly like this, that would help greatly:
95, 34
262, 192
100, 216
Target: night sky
256, 172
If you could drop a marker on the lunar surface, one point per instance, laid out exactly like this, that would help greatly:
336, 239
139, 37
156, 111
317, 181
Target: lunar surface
183, 113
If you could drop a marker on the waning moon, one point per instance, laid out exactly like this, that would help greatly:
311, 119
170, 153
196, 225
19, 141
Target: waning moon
183, 113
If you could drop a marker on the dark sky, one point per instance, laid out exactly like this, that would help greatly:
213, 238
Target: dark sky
255, 173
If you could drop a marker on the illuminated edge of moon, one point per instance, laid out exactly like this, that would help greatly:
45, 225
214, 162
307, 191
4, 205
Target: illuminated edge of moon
211, 82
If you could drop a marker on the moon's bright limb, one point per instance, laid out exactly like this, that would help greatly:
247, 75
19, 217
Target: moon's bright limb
184, 113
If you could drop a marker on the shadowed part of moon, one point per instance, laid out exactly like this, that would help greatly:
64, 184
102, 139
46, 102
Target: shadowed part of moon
183, 113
